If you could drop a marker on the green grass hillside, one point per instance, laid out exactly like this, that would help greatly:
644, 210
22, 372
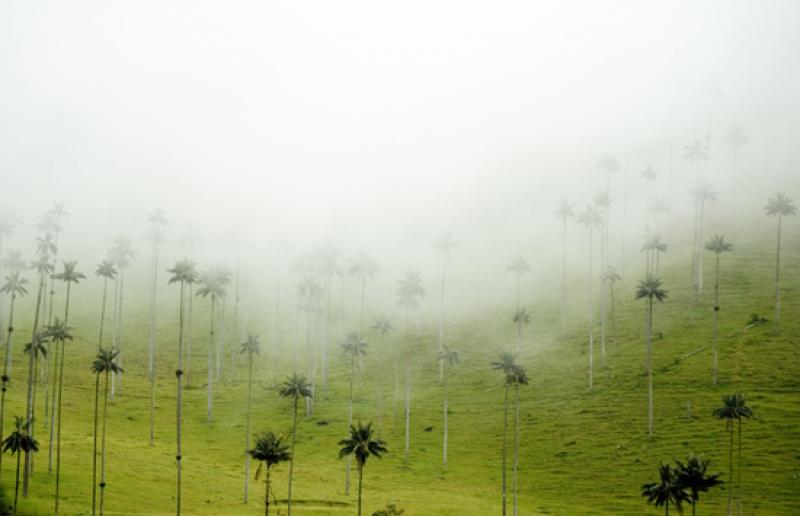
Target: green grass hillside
583, 452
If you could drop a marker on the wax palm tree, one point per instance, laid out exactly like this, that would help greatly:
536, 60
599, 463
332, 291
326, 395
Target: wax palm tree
592, 219
105, 363
518, 266
353, 348
658, 208
361, 444
364, 267
609, 164
734, 408
328, 259
250, 347
717, 245
156, 221
211, 286
603, 201
382, 325
520, 318
270, 450
223, 277
120, 254
653, 248
13, 262
184, 274
651, 290
612, 277
449, 358
564, 211
295, 387
696, 154
409, 292
667, 490
107, 271
649, 176
18, 442
50, 226
309, 293
517, 377
703, 191
780, 206
15, 287
443, 243
694, 478
507, 365
736, 139
190, 240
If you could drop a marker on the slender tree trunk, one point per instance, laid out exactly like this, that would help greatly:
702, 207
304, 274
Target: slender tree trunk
363, 294
360, 483
220, 340
613, 313
564, 276
266, 498
189, 334
349, 424
247, 428
6, 372
210, 386
152, 337
516, 447
53, 410
291, 461
650, 367
309, 365
715, 337
505, 440
778, 280
444, 443
325, 342
407, 443
700, 251
31, 378
591, 308
94, 442
16, 483
441, 316
739, 464
115, 337
58, 433
103, 446
102, 314
179, 408
730, 466
117, 377
604, 289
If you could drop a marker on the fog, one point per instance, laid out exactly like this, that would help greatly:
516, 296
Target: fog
379, 125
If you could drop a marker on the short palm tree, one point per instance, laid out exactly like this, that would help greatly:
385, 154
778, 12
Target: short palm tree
694, 478
361, 444
295, 387
651, 290
15, 287
734, 408
518, 266
17, 442
105, 363
564, 212
717, 245
251, 347
184, 274
507, 365
364, 267
667, 490
354, 347
449, 358
520, 318
270, 450
516, 378
443, 243
780, 206
592, 219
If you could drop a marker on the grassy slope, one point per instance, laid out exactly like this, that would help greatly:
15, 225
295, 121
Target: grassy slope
583, 452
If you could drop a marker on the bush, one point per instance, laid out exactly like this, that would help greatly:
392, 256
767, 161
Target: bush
390, 510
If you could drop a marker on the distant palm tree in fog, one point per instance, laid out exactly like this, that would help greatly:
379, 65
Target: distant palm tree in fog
251, 347
15, 287
518, 266
603, 201
105, 363
736, 139
507, 365
612, 277
120, 254
520, 318
650, 289
564, 211
156, 220
703, 191
383, 325
449, 359
592, 219
409, 292
780, 206
295, 387
717, 245
364, 267
211, 285
354, 347
443, 243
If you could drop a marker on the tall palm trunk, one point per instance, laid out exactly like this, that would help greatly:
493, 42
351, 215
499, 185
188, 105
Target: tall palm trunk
220, 340
190, 296
152, 337
730, 465
778, 279
247, 429
94, 441
58, 371
360, 482
115, 337
407, 442
103, 446
291, 460
604, 288
715, 337
700, 250
650, 367
58, 433
31, 378
309, 365
739, 467
441, 316
116, 378
612, 312
444, 440
516, 447
6, 372
564, 276
266, 498
179, 409
591, 306
363, 294
210, 384
349, 424
326, 335
16, 483
505, 440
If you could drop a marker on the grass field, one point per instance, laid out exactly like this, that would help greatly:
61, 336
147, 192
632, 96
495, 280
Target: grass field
583, 451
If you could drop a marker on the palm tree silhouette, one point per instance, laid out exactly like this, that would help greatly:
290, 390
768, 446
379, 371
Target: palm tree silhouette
156, 220
449, 358
443, 243
734, 407
697, 155
564, 211
354, 347
409, 292
251, 347
212, 284
653, 248
736, 139
107, 271
15, 287
382, 325
506, 364
364, 267
19, 441
650, 289
667, 490
120, 254
591, 218
328, 259
780, 206
361, 443
702, 192
717, 245
693, 477
603, 201
518, 266
612, 277
520, 318
105, 363
516, 378
184, 274
295, 387
309, 292
649, 175
657, 208
270, 450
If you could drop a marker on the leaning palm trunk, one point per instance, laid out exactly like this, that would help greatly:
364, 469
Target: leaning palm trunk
650, 367
505, 439
291, 460
516, 447
31, 378
715, 337
6, 371
247, 430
